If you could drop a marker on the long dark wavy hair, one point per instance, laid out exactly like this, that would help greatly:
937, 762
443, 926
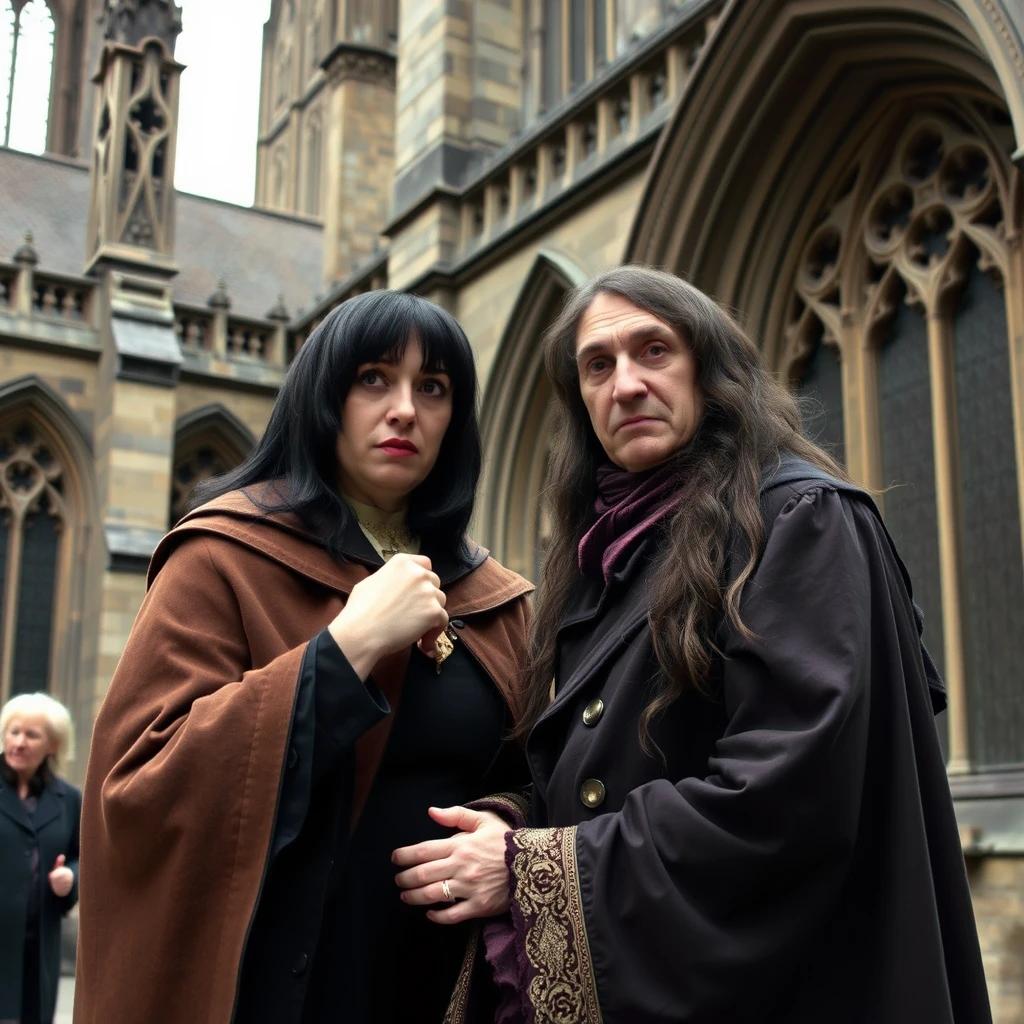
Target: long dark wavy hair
299, 442
750, 419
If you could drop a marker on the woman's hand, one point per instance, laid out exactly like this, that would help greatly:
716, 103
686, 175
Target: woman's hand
472, 862
62, 879
400, 604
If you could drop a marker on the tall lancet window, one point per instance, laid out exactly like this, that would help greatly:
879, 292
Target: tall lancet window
32, 520
26, 70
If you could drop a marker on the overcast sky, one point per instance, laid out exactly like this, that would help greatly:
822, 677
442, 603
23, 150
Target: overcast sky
222, 44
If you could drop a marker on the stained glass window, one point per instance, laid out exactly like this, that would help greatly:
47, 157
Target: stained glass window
908, 464
993, 607
31, 530
33, 633
821, 398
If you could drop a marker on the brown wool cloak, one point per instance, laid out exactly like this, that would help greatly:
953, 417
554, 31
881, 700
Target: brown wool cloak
189, 747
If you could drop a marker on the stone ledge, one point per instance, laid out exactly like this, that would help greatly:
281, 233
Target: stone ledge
249, 375
130, 547
80, 340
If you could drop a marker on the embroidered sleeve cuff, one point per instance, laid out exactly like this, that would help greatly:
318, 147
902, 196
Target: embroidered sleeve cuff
551, 933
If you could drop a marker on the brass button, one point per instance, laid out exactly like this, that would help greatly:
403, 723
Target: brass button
593, 712
592, 793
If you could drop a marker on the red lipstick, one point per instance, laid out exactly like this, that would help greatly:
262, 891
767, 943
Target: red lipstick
399, 447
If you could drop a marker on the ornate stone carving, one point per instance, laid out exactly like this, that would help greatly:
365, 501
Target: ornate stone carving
938, 206
132, 203
139, 228
362, 63
131, 21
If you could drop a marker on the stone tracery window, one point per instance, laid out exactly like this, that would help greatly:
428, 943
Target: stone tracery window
909, 275
199, 462
26, 68
32, 524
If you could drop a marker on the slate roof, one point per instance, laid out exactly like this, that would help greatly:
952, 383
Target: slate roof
260, 254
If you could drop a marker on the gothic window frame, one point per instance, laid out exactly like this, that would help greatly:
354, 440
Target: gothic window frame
909, 224
15, 9
29, 400
208, 440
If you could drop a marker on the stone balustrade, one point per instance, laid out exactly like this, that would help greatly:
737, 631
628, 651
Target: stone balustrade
61, 297
626, 104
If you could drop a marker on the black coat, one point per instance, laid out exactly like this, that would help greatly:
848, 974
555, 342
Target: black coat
53, 829
795, 856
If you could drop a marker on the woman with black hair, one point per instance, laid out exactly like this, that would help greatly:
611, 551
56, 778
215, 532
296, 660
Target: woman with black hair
322, 655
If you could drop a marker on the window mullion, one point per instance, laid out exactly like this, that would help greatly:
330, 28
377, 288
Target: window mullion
950, 529
10, 81
10, 598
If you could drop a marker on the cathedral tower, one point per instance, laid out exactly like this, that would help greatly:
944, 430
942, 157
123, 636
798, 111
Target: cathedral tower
327, 121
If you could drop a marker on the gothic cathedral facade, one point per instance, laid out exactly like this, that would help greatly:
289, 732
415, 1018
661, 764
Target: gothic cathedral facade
847, 174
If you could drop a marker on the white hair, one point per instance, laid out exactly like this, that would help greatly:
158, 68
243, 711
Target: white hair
53, 713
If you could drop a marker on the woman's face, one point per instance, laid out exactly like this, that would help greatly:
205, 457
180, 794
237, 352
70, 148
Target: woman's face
27, 744
392, 424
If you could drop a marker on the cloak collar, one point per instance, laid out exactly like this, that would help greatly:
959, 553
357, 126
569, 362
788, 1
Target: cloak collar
483, 584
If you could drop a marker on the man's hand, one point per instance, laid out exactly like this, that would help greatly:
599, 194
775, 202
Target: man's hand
472, 862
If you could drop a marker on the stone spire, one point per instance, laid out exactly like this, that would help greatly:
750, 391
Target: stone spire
131, 217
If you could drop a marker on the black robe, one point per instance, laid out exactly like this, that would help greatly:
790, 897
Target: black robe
791, 854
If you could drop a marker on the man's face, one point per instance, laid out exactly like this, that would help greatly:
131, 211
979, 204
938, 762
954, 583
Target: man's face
638, 380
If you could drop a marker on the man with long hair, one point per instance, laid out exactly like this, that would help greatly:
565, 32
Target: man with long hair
730, 722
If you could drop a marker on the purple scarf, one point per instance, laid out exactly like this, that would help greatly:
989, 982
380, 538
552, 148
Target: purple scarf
627, 506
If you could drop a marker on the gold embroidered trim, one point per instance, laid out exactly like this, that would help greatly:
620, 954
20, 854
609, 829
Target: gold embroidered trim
456, 1012
547, 894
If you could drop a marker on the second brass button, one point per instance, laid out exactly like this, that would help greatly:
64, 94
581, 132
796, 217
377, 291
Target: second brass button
593, 712
592, 793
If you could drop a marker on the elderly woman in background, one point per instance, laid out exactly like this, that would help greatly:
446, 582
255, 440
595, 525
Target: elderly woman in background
38, 854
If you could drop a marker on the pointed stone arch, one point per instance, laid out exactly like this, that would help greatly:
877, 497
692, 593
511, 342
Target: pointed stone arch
780, 86
208, 441
46, 461
516, 413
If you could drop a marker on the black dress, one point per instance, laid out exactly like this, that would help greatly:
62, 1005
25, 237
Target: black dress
379, 960
364, 956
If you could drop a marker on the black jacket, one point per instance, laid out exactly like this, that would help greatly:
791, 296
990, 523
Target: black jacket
794, 856
53, 829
